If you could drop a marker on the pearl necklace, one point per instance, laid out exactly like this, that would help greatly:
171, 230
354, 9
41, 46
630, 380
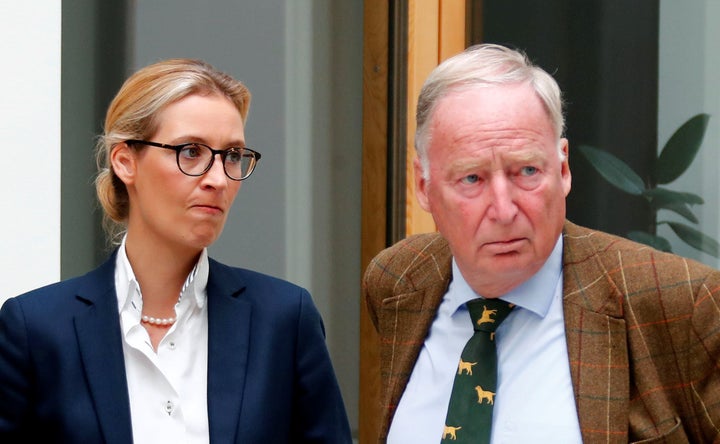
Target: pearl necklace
159, 322
167, 322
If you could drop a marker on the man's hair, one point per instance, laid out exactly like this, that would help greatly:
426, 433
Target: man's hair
483, 65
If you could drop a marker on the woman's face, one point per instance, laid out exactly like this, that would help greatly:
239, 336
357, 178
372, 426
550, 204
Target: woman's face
180, 211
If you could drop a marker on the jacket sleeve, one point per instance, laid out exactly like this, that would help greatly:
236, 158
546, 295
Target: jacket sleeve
15, 373
320, 415
704, 359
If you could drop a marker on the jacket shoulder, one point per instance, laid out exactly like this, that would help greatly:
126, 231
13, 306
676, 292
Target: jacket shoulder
585, 244
265, 292
613, 268
245, 276
53, 298
418, 264
410, 264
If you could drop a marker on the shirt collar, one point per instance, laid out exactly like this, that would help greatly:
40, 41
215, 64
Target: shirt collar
535, 294
127, 286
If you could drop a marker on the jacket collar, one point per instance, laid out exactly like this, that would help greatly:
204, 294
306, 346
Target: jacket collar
100, 342
596, 334
229, 318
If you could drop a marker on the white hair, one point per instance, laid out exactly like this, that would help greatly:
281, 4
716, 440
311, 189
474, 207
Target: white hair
484, 65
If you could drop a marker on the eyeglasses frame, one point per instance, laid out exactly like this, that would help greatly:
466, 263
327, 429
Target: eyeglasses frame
223, 154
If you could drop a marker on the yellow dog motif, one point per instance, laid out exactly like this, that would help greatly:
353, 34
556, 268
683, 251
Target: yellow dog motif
484, 394
467, 366
450, 432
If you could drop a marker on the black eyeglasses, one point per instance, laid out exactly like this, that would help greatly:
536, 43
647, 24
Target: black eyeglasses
196, 159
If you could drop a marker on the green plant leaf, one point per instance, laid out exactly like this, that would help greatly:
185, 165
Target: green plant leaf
680, 208
657, 242
680, 149
660, 196
614, 170
696, 239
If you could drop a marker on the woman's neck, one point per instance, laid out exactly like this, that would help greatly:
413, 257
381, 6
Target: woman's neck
160, 270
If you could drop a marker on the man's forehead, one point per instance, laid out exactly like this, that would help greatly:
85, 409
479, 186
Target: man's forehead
489, 156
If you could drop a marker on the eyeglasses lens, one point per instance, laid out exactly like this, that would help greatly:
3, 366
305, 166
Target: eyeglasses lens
195, 160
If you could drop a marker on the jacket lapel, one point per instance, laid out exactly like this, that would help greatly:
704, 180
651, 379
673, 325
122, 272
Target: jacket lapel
97, 327
596, 337
408, 315
228, 344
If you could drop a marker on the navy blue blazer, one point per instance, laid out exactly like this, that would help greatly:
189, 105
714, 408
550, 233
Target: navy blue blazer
270, 379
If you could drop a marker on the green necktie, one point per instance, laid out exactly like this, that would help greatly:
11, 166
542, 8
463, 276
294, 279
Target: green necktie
469, 416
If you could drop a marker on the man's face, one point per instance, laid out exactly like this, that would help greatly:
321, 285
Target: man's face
496, 183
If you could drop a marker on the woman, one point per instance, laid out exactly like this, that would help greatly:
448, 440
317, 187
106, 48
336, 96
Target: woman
161, 343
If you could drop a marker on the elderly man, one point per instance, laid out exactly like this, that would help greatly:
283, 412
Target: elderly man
606, 340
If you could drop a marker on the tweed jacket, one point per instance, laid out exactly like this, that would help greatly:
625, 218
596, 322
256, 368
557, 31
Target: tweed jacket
642, 328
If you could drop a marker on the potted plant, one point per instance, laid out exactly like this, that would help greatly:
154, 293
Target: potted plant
673, 160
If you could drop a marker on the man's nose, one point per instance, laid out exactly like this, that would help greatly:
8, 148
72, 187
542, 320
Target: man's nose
503, 207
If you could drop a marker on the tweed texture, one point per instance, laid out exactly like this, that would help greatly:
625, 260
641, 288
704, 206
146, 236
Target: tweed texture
642, 327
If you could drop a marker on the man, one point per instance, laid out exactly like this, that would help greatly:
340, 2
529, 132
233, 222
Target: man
609, 340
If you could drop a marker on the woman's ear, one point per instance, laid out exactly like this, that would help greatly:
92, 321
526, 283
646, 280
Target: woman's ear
124, 162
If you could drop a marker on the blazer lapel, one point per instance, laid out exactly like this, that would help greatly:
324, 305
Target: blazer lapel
405, 318
596, 339
97, 327
228, 345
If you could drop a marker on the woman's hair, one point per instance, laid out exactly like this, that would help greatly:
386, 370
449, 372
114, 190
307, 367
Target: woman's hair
483, 65
133, 114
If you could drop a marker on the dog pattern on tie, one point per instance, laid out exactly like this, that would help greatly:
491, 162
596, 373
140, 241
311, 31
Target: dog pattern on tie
485, 398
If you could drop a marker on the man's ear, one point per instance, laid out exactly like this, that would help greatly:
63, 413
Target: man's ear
124, 162
421, 184
565, 166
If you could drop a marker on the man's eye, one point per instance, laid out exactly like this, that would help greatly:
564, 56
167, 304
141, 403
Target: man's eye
528, 171
471, 178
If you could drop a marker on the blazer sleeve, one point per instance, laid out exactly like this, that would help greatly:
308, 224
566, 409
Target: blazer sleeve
704, 359
15, 373
320, 413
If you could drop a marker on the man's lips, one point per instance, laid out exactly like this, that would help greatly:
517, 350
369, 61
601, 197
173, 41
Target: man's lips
504, 246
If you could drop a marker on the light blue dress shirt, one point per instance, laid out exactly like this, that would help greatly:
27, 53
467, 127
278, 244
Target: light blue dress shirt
534, 401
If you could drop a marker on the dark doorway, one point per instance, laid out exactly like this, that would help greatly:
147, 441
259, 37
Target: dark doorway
604, 55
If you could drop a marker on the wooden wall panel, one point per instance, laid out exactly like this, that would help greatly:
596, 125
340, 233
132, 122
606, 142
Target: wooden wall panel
374, 199
436, 30
453, 29
422, 57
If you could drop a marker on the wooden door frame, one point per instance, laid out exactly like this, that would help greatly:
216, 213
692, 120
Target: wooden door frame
403, 41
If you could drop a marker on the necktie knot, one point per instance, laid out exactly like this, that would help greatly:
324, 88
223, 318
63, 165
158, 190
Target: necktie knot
487, 314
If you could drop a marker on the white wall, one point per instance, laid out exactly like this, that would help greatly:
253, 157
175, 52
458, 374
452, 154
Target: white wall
30, 133
689, 83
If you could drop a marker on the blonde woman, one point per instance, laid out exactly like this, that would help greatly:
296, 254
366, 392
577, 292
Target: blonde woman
161, 343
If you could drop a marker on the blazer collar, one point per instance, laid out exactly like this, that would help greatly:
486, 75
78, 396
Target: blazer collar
100, 342
97, 327
596, 335
229, 319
